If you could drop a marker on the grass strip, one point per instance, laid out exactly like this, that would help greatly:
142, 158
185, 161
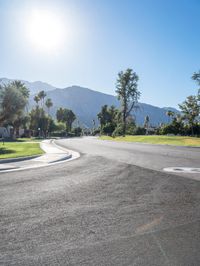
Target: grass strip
166, 140
18, 149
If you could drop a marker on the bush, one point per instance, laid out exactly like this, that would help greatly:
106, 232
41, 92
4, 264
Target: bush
108, 128
96, 132
118, 131
77, 131
176, 128
196, 130
139, 131
131, 127
58, 134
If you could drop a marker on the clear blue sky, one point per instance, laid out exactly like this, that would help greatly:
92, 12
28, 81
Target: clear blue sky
159, 39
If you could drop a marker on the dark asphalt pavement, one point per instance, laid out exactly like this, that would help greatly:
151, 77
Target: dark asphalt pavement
102, 209
155, 157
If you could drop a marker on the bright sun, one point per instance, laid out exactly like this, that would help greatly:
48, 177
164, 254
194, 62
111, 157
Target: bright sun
45, 30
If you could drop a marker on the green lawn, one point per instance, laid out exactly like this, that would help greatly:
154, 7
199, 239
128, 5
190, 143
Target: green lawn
19, 149
29, 139
167, 140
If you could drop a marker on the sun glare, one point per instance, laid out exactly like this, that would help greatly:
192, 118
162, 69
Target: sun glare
45, 30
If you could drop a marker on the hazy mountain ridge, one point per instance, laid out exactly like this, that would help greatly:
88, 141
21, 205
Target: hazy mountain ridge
86, 103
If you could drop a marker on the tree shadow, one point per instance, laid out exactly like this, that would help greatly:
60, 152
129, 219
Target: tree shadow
3, 150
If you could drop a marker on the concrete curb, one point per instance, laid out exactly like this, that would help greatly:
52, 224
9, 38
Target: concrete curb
63, 159
67, 155
60, 147
73, 154
19, 159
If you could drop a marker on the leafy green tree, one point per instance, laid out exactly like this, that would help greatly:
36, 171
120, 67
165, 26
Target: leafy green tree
108, 119
52, 126
39, 121
103, 115
20, 121
77, 131
60, 126
139, 131
175, 127
127, 92
190, 109
13, 99
66, 116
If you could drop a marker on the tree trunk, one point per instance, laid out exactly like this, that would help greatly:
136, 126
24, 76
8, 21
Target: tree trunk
124, 124
17, 132
124, 119
192, 128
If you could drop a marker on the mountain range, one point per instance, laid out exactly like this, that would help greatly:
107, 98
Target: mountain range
87, 103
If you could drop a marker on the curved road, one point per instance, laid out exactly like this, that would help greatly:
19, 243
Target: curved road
155, 157
112, 206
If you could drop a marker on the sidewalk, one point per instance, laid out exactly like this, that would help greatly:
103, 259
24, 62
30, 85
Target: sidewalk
53, 154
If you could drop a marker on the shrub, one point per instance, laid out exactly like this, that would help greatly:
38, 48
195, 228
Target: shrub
139, 131
77, 131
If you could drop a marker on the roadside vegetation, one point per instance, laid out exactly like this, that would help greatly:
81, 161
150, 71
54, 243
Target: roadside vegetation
16, 116
121, 122
19, 149
21, 129
29, 139
165, 140
38, 122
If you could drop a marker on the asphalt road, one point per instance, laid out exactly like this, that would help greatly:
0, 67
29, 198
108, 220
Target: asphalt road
105, 208
155, 157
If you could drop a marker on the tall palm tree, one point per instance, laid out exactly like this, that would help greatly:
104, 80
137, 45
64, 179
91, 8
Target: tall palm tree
42, 95
36, 99
48, 104
21, 87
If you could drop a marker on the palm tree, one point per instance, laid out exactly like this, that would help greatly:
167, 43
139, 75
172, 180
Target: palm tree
21, 87
196, 77
48, 104
169, 114
66, 116
41, 96
36, 99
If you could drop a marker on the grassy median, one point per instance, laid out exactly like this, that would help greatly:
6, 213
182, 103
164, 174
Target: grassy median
19, 149
166, 140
